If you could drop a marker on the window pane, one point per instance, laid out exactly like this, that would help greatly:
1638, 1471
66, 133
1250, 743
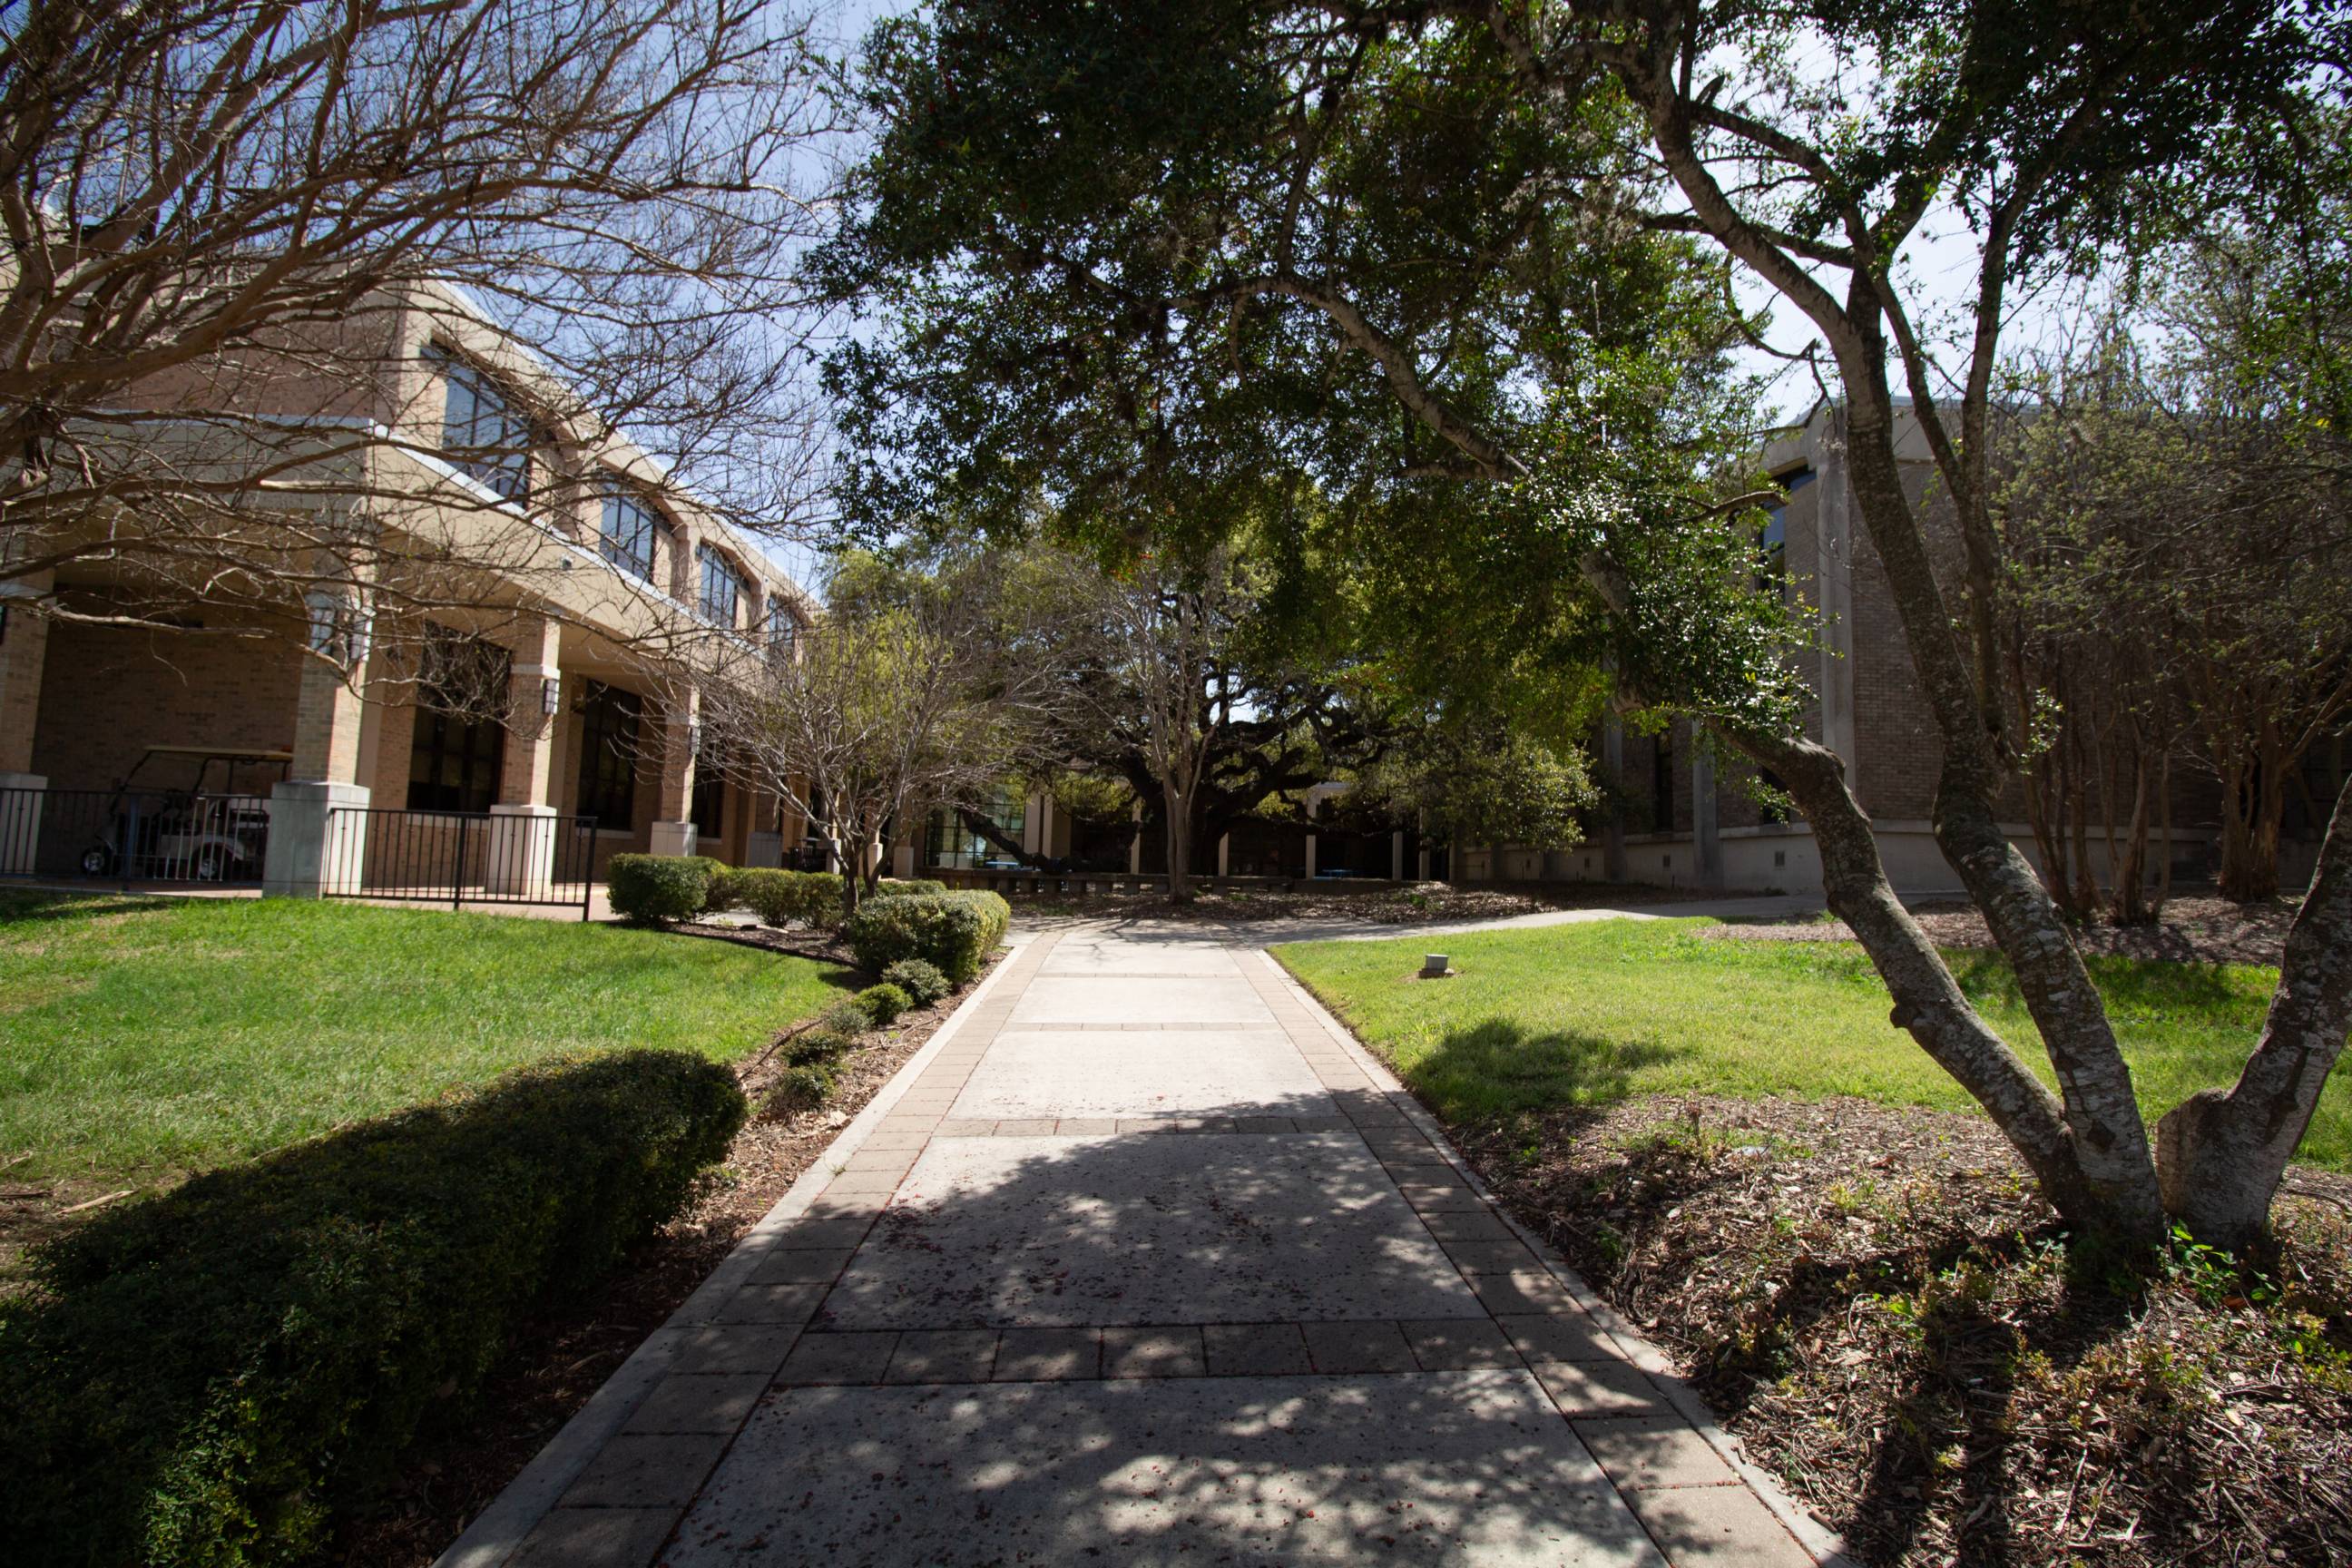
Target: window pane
482, 435
629, 531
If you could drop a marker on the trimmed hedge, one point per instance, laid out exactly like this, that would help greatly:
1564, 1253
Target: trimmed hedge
952, 931
780, 897
884, 1002
921, 982
658, 889
212, 1377
906, 887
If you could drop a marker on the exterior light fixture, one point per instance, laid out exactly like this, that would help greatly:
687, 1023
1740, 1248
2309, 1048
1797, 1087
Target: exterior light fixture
551, 695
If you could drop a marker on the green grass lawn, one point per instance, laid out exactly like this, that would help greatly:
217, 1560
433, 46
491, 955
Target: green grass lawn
143, 1036
1593, 1013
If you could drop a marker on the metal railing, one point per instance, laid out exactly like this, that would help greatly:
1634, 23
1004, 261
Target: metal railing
460, 857
132, 836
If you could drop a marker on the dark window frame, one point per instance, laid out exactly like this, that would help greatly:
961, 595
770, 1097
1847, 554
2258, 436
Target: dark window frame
498, 458
706, 806
1772, 539
611, 720
719, 572
628, 520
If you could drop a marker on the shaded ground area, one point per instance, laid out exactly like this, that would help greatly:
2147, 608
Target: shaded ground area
1875, 1303
1406, 904
2201, 929
560, 1360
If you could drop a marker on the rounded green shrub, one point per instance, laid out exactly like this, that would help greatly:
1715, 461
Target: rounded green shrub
801, 1087
884, 1002
953, 931
657, 889
219, 1374
922, 981
820, 1047
847, 1016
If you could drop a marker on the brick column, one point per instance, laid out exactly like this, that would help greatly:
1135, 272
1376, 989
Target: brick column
520, 856
1396, 855
673, 829
318, 825
24, 655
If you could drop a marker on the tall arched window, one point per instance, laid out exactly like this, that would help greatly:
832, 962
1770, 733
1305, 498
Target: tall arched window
631, 532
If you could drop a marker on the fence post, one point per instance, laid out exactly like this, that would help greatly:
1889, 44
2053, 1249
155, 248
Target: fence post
130, 840
457, 875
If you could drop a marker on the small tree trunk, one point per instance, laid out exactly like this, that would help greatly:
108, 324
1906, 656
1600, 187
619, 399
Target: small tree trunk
2128, 904
1180, 842
2249, 826
2221, 1155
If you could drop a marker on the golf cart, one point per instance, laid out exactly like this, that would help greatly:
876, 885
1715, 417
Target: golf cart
207, 831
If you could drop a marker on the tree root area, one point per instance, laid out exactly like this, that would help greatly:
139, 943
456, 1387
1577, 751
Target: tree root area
1887, 1318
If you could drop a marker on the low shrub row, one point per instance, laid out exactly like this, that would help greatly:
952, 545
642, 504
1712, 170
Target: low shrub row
954, 932
813, 1059
213, 1376
662, 889
781, 898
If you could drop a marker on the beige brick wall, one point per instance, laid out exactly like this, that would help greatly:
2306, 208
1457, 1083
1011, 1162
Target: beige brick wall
109, 694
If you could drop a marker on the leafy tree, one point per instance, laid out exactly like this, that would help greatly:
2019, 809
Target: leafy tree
1432, 255
1492, 783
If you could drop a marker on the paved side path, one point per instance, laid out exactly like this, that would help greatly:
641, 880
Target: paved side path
1145, 1262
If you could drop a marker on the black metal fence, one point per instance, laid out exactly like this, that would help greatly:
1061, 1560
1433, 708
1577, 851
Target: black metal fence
132, 836
459, 857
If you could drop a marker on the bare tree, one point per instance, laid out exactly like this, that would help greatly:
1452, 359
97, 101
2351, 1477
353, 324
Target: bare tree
895, 701
231, 223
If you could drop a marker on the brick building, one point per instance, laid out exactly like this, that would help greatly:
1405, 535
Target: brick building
1686, 818
522, 542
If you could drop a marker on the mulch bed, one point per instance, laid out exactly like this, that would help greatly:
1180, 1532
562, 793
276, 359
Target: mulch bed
565, 1356
1419, 903
1880, 1308
2194, 930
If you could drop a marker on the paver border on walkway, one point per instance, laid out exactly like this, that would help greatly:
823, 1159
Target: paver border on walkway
497, 1532
620, 1476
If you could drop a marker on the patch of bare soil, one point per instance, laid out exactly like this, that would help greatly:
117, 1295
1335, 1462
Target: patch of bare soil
1879, 1305
2200, 929
561, 1358
1418, 903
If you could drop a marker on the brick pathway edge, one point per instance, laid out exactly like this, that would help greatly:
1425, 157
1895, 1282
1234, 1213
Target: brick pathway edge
1827, 1547
501, 1528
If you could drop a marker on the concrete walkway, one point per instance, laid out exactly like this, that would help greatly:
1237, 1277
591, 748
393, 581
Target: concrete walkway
1141, 1260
